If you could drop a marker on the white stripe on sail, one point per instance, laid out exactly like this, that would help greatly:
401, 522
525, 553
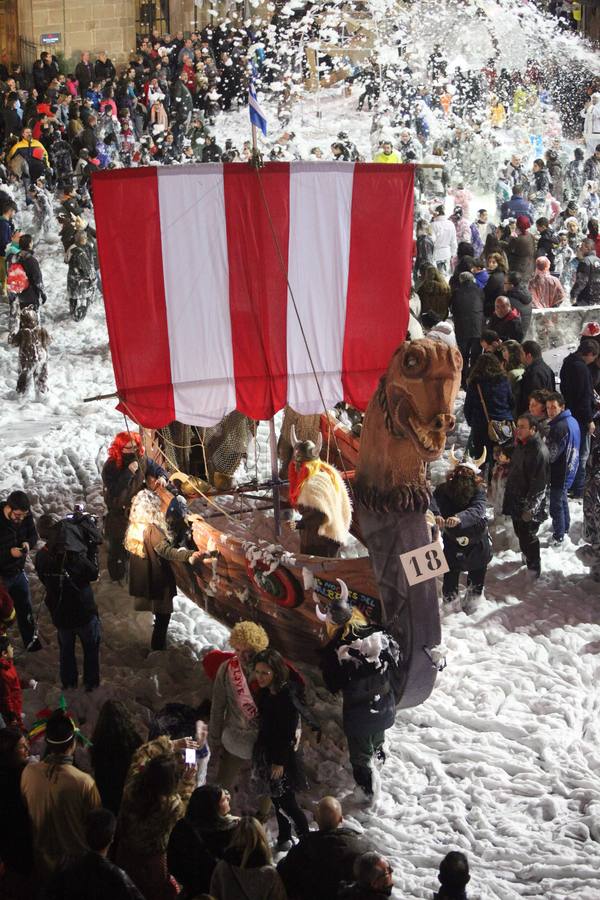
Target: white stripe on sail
196, 273
319, 252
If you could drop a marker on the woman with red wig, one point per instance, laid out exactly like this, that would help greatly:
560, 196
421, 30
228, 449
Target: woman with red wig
123, 475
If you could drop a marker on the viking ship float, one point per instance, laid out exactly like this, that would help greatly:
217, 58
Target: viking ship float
286, 286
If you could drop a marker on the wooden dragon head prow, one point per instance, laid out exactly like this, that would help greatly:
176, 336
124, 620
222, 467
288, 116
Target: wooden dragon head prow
406, 424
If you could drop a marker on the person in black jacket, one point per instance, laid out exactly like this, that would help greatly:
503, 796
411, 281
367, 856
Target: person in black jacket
321, 860
520, 299
84, 73
459, 505
18, 535
466, 304
578, 390
104, 70
66, 565
453, 877
369, 705
16, 842
275, 758
547, 241
114, 741
537, 375
586, 288
495, 283
92, 875
200, 839
34, 294
525, 495
506, 321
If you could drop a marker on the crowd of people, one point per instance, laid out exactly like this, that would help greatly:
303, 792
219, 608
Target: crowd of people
183, 808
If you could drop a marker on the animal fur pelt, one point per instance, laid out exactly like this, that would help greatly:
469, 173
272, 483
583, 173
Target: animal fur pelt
326, 492
145, 510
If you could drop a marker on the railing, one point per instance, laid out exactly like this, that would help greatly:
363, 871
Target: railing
28, 53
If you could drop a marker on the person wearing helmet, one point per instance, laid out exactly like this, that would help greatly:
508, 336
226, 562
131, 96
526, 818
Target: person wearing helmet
361, 660
459, 507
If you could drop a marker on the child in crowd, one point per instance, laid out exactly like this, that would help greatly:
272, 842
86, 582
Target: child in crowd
33, 341
11, 695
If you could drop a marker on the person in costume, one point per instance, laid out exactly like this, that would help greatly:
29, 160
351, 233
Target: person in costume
319, 494
361, 660
459, 505
58, 795
233, 727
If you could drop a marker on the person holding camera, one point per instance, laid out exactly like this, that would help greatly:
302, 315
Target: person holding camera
66, 565
17, 536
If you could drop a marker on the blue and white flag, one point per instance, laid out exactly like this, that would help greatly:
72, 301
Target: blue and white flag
257, 116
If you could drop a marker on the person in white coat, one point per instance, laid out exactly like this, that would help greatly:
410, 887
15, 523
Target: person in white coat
444, 240
591, 123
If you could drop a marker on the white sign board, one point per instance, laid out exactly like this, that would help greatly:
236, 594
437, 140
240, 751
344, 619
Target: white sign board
424, 563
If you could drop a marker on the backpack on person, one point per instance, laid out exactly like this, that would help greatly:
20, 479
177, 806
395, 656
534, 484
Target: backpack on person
17, 281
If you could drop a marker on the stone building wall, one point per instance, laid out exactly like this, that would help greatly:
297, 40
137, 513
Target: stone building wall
83, 25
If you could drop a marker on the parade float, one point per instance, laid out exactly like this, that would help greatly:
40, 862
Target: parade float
284, 287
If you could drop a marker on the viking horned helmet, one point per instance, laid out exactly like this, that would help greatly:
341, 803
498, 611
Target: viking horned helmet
304, 451
466, 462
339, 610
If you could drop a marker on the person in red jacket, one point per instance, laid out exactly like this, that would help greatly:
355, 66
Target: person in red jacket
11, 695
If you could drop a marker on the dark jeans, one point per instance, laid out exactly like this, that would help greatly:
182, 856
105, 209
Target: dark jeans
18, 588
469, 350
362, 749
559, 511
115, 526
89, 635
529, 543
158, 640
584, 452
288, 811
475, 580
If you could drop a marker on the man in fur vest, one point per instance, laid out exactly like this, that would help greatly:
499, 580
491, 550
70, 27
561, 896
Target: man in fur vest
459, 507
319, 494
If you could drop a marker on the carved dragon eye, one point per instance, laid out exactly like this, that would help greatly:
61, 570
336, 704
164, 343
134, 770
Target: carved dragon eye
415, 361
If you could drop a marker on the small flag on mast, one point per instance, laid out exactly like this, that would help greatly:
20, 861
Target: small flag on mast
257, 116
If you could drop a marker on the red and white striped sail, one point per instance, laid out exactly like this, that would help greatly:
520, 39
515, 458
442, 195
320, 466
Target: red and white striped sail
195, 264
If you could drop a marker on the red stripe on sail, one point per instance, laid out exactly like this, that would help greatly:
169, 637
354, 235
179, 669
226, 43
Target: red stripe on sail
257, 209
379, 275
127, 213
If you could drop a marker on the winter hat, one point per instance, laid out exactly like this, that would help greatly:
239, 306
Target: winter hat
591, 330
443, 331
523, 224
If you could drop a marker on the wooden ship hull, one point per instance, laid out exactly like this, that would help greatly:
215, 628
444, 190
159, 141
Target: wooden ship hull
239, 584
256, 576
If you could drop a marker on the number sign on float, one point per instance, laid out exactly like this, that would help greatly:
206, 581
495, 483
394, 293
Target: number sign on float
424, 563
